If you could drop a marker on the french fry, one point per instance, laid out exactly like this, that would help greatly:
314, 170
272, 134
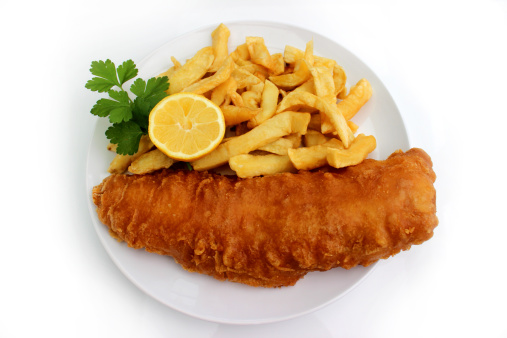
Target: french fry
247, 165
259, 53
120, 163
112, 147
220, 92
260, 71
296, 100
235, 115
279, 147
313, 137
295, 138
308, 56
241, 53
339, 79
251, 99
354, 127
308, 86
290, 81
278, 126
167, 73
150, 162
291, 54
219, 39
208, 83
324, 62
176, 63
324, 83
358, 95
193, 70
308, 158
258, 88
278, 64
269, 102
355, 154
244, 78
236, 99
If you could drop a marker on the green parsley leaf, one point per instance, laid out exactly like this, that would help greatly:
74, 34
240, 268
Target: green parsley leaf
122, 111
100, 85
155, 87
141, 112
106, 76
126, 135
118, 109
129, 118
148, 95
126, 71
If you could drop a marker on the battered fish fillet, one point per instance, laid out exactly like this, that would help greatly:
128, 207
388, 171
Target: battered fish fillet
270, 231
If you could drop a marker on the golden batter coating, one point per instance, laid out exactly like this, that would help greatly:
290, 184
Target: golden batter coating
270, 231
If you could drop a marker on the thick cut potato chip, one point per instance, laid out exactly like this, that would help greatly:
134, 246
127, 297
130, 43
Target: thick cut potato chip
292, 54
236, 99
258, 88
167, 73
290, 81
295, 139
235, 115
256, 165
281, 146
324, 62
300, 99
324, 88
112, 147
308, 56
278, 64
308, 86
313, 138
244, 78
251, 99
355, 154
358, 95
278, 126
150, 161
312, 157
120, 163
241, 53
339, 79
324, 83
219, 40
259, 53
206, 84
354, 127
260, 71
269, 102
192, 71
219, 93
176, 63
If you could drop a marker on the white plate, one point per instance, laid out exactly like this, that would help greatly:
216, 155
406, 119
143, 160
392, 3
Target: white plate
225, 302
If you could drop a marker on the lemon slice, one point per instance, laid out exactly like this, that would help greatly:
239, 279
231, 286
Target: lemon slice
186, 126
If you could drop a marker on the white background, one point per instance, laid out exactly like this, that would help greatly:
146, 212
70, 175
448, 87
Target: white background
444, 63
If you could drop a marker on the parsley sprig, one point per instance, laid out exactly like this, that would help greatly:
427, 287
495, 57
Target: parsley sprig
129, 117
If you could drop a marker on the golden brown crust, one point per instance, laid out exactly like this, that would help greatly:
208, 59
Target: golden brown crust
270, 231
